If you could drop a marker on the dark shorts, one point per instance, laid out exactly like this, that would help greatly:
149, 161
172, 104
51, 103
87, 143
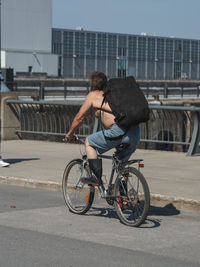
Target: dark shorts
102, 145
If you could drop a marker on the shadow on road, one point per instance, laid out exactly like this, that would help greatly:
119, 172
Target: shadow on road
14, 161
168, 210
103, 212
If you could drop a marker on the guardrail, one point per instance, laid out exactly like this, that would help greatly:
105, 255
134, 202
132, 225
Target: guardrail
169, 128
64, 87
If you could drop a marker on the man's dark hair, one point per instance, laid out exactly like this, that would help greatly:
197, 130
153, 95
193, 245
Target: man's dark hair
98, 80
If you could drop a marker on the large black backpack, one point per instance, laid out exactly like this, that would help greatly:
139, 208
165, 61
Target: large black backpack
127, 101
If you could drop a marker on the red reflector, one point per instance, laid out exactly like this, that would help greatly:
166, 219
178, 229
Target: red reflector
141, 165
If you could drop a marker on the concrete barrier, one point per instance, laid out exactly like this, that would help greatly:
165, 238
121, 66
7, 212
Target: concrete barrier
9, 121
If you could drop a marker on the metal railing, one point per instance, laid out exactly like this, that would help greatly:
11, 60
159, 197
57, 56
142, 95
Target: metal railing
63, 87
169, 128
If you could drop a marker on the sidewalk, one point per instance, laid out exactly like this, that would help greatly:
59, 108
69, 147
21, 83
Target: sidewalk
173, 177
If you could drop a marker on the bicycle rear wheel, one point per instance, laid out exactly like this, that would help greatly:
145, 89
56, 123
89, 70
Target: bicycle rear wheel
132, 198
78, 196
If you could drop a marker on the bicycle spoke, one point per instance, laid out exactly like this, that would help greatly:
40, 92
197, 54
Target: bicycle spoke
132, 208
78, 196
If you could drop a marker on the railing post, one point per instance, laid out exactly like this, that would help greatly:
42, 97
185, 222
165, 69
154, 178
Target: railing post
198, 90
147, 92
166, 91
65, 91
182, 91
41, 91
194, 148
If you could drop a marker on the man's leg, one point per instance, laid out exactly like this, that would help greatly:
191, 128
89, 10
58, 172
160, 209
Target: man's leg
90, 151
95, 165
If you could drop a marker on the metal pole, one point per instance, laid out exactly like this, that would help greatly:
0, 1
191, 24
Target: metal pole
65, 90
166, 90
182, 91
147, 91
2, 163
41, 91
198, 87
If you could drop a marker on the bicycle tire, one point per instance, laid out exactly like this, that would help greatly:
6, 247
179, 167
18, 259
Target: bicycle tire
78, 196
136, 197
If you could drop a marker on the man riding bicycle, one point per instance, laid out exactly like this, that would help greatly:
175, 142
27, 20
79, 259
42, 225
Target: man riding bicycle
113, 135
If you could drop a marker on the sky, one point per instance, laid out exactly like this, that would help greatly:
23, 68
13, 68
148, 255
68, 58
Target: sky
175, 18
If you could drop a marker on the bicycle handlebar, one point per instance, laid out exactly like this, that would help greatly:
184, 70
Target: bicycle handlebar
77, 138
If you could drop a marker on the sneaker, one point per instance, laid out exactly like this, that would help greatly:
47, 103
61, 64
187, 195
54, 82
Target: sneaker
3, 163
90, 181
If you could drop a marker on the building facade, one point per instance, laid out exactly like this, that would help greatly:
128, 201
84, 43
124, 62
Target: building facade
118, 55
26, 36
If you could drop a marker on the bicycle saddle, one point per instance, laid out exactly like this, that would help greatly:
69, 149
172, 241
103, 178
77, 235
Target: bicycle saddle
122, 146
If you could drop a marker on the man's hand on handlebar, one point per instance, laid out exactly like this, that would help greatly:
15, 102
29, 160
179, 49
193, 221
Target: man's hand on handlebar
70, 138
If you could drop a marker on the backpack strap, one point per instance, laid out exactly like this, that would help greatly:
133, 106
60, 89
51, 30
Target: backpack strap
104, 110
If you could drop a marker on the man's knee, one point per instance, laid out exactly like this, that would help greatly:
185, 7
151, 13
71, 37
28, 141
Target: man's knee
86, 142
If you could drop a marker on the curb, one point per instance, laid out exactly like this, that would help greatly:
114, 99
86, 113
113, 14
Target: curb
48, 185
160, 200
178, 202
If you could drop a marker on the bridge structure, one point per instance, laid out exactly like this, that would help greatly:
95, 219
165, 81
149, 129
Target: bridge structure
172, 128
39, 113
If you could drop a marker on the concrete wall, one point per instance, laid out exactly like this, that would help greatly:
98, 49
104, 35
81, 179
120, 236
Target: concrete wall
40, 62
27, 36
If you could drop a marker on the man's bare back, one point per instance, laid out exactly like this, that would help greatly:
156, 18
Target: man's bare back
107, 119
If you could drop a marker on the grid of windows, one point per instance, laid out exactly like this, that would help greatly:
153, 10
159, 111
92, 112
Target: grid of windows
68, 42
118, 55
151, 49
132, 47
112, 46
56, 36
169, 50
160, 49
122, 51
122, 41
178, 50
101, 45
79, 44
90, 44
194, 52
142, 48
56, 44
186, 51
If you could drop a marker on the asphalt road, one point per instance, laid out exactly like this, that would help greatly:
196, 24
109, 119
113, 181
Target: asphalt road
36, 229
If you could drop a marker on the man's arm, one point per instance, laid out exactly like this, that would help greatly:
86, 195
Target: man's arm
80, 116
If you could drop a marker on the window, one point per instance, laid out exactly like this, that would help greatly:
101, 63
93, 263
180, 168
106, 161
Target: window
132, 45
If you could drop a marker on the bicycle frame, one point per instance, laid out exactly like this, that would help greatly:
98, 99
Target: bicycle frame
115, 168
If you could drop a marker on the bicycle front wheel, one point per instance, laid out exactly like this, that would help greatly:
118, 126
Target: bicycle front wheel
78, 196
132, 197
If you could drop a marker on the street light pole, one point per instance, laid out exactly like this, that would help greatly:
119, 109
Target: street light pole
2, 163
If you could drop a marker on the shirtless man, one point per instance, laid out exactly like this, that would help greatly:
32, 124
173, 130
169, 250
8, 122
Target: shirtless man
112, 136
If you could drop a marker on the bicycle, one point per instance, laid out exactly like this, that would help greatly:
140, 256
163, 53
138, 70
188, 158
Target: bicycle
129, 194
